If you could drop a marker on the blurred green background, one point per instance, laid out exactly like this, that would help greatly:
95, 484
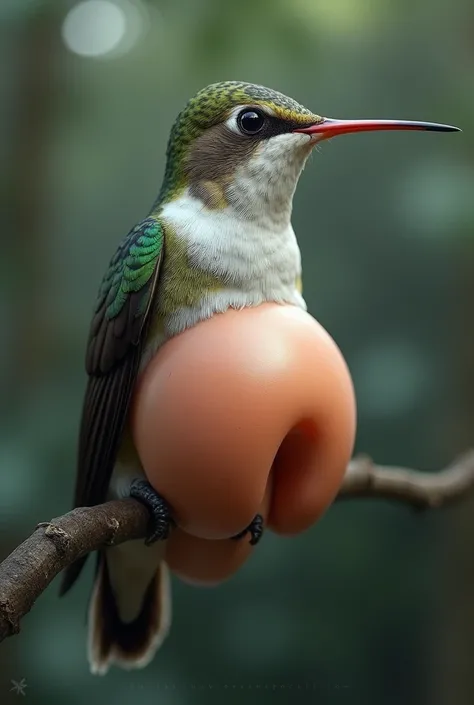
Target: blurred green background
374, 604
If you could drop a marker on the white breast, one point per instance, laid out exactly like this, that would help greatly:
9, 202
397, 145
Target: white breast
256, 263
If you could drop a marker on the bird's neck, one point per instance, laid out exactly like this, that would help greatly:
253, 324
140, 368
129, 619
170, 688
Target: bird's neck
261, 189
252, 263
214, 261
258, 191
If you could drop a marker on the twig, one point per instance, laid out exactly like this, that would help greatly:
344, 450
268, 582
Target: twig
29, 569
421, 490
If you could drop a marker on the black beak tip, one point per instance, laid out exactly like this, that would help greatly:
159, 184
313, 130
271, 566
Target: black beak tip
443, 128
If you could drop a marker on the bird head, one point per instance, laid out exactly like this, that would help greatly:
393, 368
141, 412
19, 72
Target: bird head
243, 146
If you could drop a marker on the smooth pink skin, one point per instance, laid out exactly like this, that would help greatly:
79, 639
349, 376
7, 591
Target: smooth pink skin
205, 562
216, 403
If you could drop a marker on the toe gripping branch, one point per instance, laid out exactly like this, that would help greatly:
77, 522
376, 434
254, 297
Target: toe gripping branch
161, 520
255, 529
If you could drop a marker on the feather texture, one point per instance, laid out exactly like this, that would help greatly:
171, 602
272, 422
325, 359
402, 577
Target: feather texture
114, 348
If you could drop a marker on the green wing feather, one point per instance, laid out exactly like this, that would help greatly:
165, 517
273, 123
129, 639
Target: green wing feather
114, 349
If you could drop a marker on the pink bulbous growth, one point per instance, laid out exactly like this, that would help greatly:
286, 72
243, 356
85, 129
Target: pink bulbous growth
252, 411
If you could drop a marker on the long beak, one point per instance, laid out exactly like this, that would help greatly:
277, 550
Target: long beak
329, 127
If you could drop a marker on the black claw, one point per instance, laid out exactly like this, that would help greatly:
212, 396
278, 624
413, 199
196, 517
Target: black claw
161, 520
255, 529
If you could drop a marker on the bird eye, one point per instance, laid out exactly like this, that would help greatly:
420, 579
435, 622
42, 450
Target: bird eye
250, 121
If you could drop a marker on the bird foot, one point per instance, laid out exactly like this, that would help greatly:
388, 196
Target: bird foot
255, 529
161, 520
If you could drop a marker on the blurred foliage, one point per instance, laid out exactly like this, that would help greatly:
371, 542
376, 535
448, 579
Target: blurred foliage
373, 605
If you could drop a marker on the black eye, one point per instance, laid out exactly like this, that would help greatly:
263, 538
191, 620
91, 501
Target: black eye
251, 121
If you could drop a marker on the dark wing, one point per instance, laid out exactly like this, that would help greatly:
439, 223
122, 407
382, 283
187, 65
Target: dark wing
116, 338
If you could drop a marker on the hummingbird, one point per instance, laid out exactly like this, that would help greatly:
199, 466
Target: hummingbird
218, 236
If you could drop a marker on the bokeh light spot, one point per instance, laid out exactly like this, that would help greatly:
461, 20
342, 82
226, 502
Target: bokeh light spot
94, 27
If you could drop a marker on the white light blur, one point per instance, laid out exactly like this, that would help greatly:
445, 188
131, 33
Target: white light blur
99, 28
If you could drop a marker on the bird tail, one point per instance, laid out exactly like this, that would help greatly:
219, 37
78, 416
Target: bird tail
129, 614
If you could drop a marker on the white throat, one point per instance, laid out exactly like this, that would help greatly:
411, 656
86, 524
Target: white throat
262, 188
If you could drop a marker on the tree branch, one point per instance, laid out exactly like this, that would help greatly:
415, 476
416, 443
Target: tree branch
422, 490
29, 569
